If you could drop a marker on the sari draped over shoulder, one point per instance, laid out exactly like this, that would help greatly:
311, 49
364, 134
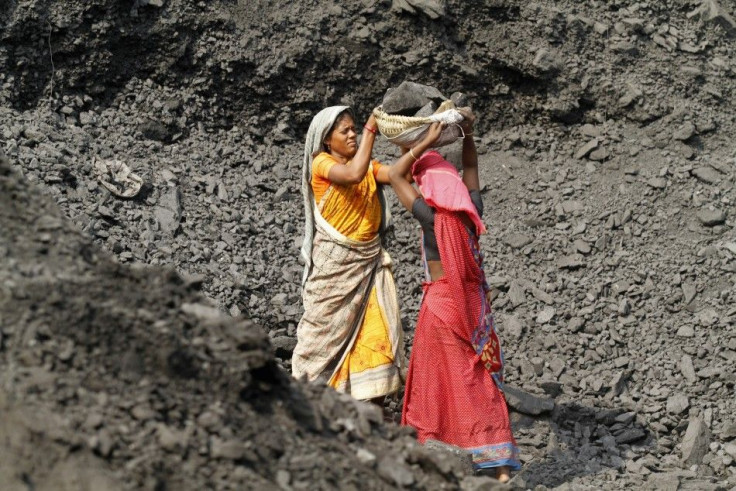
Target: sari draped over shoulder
454, 384
350, 334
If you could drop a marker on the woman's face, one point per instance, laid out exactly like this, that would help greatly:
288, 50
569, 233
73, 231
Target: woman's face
343, 140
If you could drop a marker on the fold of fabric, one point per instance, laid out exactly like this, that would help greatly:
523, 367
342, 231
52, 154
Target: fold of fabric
368, 370
354, 210
350, 335
453, 387
442, 187
318, 128
336, 298
462, 263
449, 395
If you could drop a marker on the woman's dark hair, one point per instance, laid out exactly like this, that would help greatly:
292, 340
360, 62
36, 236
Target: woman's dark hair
340, 117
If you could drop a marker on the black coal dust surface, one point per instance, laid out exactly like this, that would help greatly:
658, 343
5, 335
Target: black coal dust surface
145, 342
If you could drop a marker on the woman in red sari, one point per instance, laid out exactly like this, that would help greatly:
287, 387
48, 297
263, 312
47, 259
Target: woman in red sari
454, 385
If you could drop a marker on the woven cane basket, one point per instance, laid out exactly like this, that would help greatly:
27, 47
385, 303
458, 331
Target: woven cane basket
392, 125
408, 130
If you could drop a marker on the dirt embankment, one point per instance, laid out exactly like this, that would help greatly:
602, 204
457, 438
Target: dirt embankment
604, 135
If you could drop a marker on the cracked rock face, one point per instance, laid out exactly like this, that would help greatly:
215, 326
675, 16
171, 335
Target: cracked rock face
159, 328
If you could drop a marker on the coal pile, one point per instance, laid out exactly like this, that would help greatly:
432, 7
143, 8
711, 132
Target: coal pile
153, 334
120, 377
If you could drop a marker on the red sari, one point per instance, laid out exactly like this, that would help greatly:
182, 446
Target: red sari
453, 388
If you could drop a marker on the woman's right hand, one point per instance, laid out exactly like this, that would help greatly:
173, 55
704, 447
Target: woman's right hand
433, 133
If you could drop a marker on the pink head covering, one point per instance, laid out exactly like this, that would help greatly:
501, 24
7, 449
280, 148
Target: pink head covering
442, 187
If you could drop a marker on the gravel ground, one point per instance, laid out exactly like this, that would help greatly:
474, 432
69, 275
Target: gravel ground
145, 342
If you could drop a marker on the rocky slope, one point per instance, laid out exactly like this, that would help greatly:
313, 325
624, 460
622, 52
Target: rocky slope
605, 135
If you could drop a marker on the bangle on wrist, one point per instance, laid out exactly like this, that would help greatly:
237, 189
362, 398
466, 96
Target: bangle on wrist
372, 130
411, 152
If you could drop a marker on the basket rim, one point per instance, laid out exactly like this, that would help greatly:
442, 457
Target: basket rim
393, 125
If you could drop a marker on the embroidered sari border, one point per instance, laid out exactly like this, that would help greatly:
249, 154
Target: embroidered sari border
497, 455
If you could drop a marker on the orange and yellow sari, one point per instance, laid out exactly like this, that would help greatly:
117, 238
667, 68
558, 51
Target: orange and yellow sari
350, 334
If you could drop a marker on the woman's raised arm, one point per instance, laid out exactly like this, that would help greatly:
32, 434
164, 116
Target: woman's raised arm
397, 173
470, 155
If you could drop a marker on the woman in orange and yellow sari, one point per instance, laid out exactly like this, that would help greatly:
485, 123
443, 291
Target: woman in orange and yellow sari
350, 334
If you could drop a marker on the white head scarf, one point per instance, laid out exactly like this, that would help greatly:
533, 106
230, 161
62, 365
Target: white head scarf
316, 135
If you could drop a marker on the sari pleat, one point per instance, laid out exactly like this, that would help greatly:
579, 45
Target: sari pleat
454, 384
350, 334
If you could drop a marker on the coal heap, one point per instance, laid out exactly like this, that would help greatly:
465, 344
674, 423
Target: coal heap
145, 341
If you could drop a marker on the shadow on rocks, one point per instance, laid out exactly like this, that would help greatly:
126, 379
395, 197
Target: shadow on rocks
562, 442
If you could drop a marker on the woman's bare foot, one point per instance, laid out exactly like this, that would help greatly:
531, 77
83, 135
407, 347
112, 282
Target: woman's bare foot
503, 474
